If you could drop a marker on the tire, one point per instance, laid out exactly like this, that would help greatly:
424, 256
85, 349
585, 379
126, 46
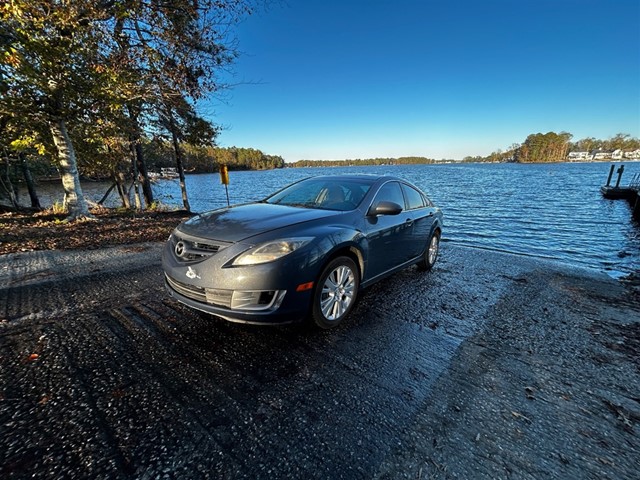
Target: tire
430, 255
336, 292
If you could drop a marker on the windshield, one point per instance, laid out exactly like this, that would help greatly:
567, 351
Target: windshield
324, 193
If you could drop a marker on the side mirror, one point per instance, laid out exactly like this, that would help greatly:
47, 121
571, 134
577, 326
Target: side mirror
385, 208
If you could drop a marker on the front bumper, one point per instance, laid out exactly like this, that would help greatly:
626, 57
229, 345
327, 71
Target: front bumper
208, 284
278, 316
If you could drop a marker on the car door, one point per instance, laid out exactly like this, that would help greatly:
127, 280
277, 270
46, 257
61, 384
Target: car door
388, 235
422, 214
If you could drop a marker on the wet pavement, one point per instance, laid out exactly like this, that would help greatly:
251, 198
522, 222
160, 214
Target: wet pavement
490, 366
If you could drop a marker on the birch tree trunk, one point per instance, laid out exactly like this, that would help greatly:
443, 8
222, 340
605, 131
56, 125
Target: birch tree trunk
74, 199
179, 162
180, 168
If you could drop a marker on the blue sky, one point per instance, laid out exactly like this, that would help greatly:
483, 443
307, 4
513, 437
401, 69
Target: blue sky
442, 79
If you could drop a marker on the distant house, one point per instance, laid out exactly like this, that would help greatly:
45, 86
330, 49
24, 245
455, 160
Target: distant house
633, 154
601, 155
579, 156
617, 154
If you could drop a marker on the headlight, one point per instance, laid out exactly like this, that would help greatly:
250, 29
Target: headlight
270, 251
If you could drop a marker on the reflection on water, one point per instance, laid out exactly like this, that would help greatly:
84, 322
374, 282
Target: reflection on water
547, 210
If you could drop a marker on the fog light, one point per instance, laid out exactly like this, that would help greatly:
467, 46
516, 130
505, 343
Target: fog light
256, 299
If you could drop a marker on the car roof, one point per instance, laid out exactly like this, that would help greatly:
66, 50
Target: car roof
357, 176
368, 178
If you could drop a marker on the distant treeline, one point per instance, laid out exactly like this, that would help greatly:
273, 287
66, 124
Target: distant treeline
537, 148
204, 159
555, 147
159, 154
361, 162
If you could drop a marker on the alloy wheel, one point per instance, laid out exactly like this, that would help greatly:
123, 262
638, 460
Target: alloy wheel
433, 249
337, 292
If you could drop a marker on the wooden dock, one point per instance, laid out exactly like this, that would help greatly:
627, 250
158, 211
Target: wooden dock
617, 193
631, 193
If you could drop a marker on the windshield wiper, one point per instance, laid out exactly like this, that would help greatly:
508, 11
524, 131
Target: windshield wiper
302, 205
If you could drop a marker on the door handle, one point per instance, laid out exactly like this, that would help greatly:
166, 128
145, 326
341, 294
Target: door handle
409, 222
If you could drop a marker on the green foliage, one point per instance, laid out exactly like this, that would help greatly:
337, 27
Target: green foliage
548, 147
52, 63
110, 71
160, 207
206, 159
622, 141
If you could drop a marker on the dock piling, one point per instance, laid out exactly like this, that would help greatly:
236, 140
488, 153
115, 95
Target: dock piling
613, 167
620, 171
630, 193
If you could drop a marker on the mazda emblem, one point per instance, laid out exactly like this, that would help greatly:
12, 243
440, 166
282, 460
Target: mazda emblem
179, 249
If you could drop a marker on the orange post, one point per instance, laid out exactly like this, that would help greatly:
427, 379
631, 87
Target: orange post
224, 179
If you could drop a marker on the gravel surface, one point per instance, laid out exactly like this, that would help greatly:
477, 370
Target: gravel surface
490, 366
26, 232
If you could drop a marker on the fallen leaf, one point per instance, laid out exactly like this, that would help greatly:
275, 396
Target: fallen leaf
605, 461
519, 415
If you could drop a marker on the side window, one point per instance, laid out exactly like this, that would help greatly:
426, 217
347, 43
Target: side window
414, 197
390, 192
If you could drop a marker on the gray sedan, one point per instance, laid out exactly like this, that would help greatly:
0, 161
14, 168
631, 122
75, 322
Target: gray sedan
304, 252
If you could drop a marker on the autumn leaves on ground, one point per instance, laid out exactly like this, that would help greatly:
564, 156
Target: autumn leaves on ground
48, 231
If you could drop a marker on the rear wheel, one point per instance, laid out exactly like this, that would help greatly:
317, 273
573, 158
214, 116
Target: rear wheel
431, 253
336, 292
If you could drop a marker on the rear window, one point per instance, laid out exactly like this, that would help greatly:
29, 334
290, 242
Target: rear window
414, 197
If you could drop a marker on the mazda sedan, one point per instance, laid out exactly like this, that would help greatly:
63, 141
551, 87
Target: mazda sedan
304, 252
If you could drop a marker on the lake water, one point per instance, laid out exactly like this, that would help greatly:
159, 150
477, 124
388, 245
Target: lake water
552, 211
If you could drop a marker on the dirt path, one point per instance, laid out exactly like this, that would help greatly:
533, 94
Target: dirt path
492, 366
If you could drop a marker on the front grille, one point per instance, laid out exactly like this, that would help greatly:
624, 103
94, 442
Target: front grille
190, 250
206, 247
219, 298
189, 291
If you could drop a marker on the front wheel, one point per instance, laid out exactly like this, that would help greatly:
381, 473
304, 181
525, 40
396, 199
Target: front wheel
431, 253
335, 293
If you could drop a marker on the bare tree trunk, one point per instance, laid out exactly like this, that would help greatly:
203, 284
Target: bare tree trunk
134, 166
28, 178
147, 191
134, 135
179, 163
74, 199
8, 185
120, 182
106, 195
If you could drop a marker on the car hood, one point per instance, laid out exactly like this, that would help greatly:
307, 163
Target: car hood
241, 222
